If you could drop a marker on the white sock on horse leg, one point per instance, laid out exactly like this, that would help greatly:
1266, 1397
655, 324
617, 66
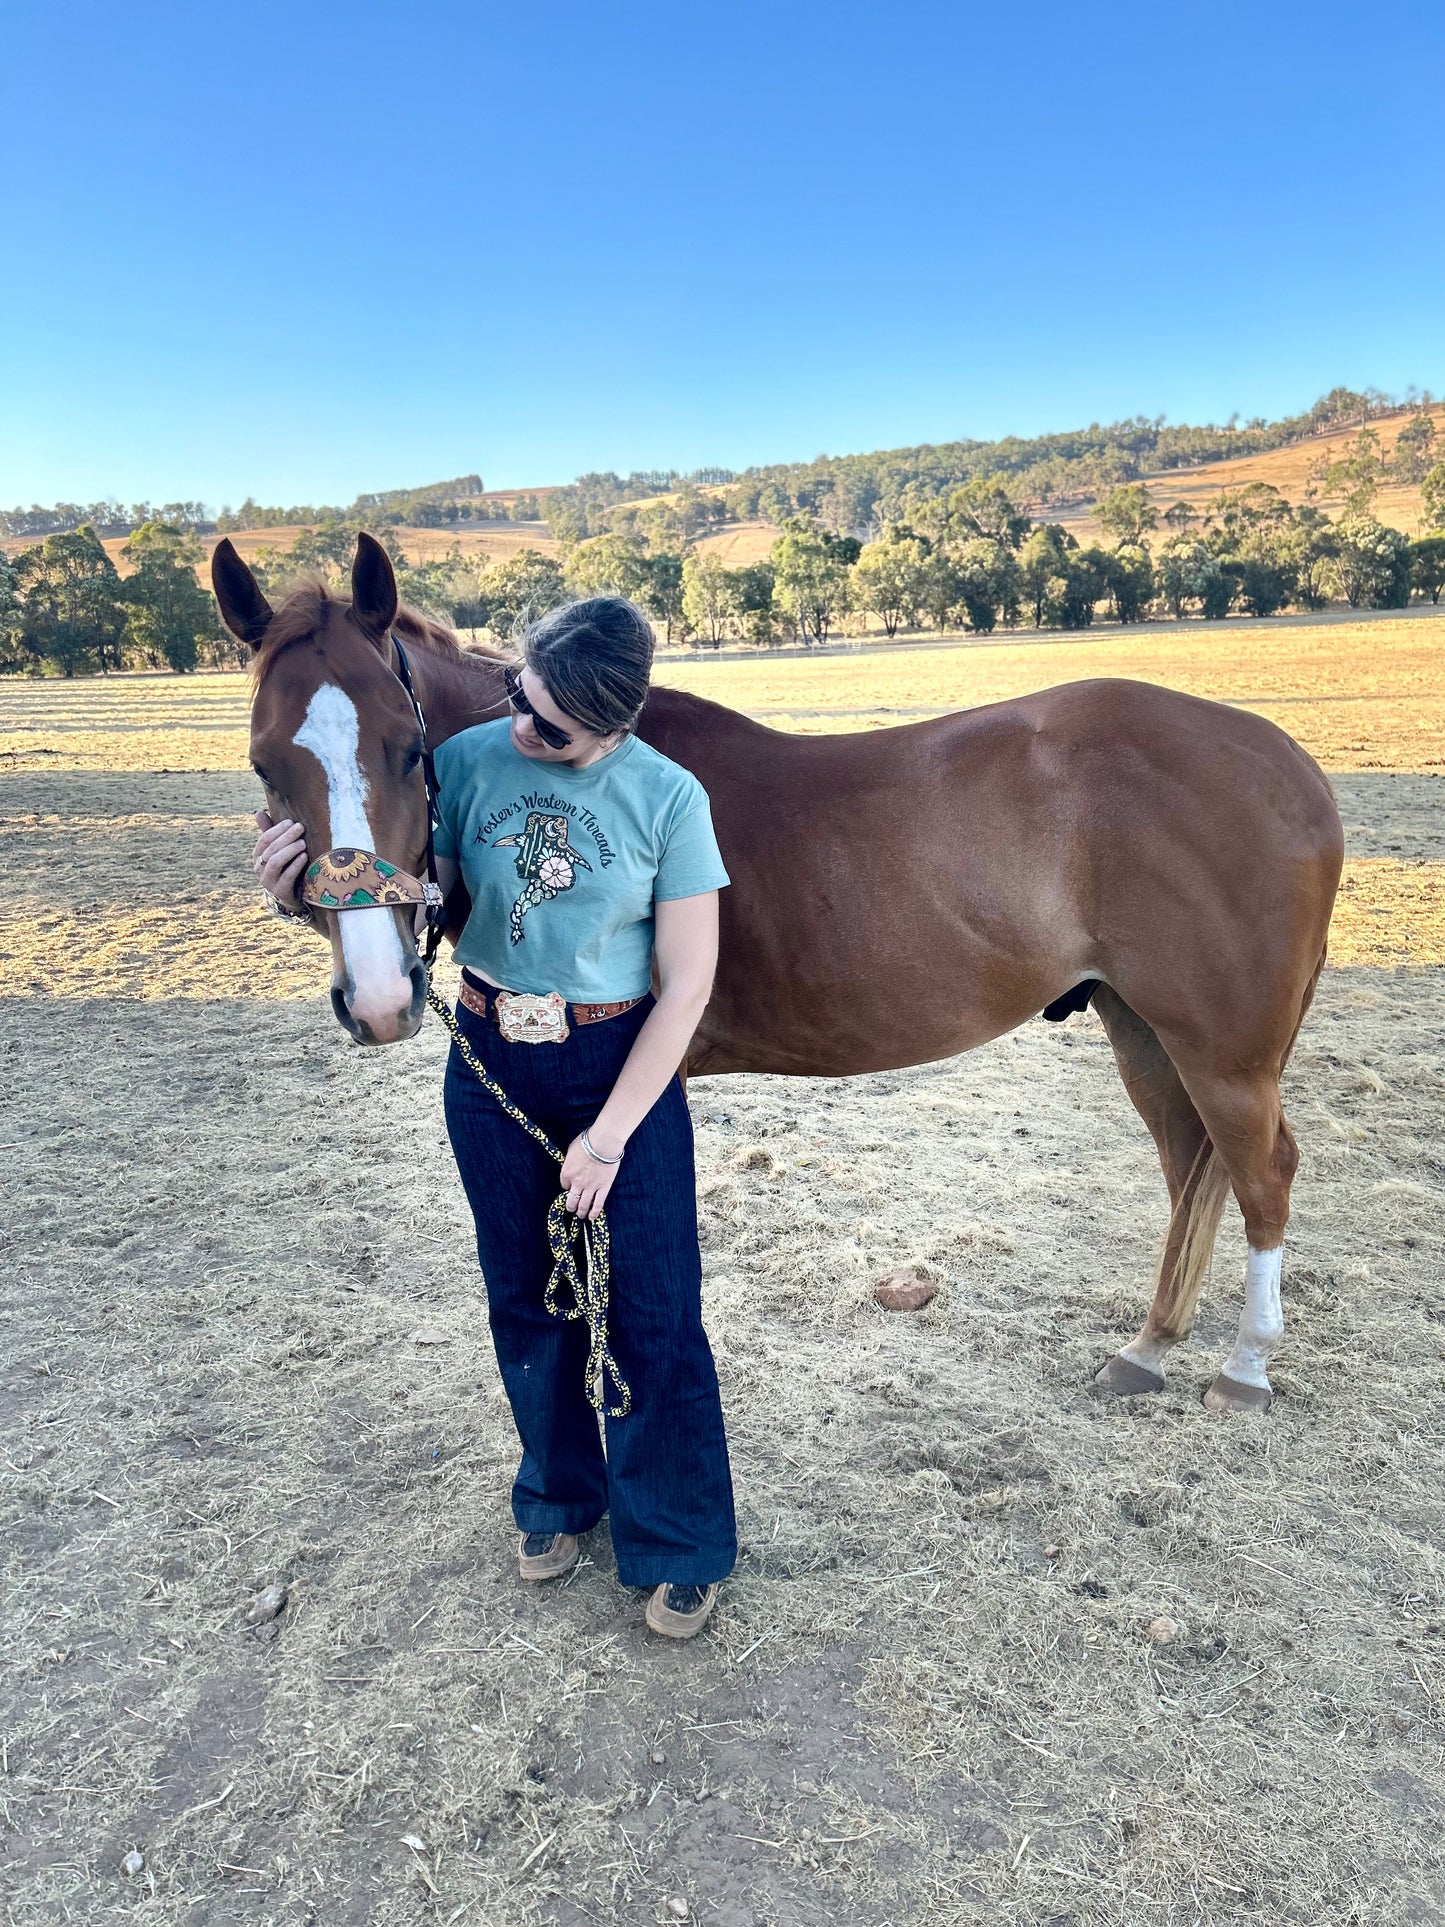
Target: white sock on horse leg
1148, 1350
1261, 1323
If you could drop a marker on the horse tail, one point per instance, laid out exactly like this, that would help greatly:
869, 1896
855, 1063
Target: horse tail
1201, 1205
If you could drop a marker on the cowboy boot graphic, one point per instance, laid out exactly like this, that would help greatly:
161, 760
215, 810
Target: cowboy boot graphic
546, 863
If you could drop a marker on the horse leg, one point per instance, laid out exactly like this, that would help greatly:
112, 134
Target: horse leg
1198, 1186
1246, 1120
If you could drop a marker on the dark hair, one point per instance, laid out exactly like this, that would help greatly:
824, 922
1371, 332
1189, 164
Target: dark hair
595, 658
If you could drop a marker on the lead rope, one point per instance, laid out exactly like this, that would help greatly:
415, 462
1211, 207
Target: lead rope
588, 1284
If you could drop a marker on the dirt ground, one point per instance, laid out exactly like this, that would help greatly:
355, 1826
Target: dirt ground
931, 1694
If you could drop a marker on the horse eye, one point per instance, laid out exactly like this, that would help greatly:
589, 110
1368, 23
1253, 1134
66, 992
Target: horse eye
413, 757
262, 774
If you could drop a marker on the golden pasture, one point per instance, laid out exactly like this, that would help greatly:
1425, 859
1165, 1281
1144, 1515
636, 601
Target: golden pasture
995, 1653
739, 544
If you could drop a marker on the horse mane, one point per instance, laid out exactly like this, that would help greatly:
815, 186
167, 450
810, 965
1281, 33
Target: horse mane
305, 610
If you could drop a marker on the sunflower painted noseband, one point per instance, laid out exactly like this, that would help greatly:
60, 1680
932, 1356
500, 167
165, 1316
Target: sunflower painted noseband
361, 880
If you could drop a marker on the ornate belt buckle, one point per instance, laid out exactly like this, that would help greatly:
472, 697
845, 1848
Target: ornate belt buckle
527, 1019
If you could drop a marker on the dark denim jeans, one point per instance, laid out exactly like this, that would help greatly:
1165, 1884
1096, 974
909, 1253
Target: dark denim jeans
664, 1478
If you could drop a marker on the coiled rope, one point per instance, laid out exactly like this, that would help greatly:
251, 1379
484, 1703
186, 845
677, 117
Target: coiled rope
587, 1283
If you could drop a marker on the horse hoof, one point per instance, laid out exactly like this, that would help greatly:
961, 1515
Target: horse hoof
1125, 1379
1228, 1395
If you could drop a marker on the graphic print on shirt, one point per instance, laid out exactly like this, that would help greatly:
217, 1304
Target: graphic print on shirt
546, 863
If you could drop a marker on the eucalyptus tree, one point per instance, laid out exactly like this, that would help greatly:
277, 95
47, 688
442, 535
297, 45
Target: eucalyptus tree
171, 617
811, 576
1415, 448
1043, 567
707, 598
1128, 515
1371, 563
1427, 566
890, 577
73, 612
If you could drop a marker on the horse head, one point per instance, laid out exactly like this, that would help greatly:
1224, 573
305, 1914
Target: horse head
335, 740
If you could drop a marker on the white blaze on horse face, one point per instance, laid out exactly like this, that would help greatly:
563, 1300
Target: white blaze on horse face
1261, 1324
369, 939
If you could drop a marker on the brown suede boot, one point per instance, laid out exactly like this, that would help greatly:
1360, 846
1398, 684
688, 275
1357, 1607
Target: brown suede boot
678, 1612
547, 1555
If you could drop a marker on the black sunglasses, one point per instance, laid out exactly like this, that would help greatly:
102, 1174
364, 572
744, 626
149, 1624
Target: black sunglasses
553, 737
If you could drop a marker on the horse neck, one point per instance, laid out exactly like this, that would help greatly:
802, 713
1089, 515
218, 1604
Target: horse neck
455, 692
712, 741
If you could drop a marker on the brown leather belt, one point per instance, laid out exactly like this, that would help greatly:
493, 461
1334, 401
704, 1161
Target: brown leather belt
481, 999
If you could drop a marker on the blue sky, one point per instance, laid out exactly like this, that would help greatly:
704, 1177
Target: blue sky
301, 250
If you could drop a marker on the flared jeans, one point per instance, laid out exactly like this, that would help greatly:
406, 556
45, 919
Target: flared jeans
663, 1477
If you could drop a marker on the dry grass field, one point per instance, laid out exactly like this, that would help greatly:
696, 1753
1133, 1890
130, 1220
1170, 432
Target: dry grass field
739, 544
995, 1652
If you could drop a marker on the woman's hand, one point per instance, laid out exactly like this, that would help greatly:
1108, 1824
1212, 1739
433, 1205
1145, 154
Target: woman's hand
586, 1180
279, 856
686, 951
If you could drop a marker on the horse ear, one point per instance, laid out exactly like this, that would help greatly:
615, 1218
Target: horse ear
244, 610
373, 587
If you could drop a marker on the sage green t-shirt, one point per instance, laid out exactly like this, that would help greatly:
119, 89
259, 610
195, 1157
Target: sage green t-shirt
564, 865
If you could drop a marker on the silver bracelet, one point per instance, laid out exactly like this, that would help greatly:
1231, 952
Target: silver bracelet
276, 908
597, 1156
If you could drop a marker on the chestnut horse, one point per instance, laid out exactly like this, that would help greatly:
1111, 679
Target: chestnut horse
904, 895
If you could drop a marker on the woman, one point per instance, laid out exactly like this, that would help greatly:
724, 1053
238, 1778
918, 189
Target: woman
590, 858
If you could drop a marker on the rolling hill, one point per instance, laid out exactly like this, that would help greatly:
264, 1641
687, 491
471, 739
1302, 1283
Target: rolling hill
1286, 469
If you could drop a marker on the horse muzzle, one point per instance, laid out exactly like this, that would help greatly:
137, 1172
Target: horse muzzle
390, 1017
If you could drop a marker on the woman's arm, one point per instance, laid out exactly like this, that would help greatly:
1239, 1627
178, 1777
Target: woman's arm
685, 946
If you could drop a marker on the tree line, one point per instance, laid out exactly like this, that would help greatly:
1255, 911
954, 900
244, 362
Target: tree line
437, 505
66, 609
107, 517
849, 494
973, 558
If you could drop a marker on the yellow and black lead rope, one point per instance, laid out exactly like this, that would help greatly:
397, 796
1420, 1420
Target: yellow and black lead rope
588, 1284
